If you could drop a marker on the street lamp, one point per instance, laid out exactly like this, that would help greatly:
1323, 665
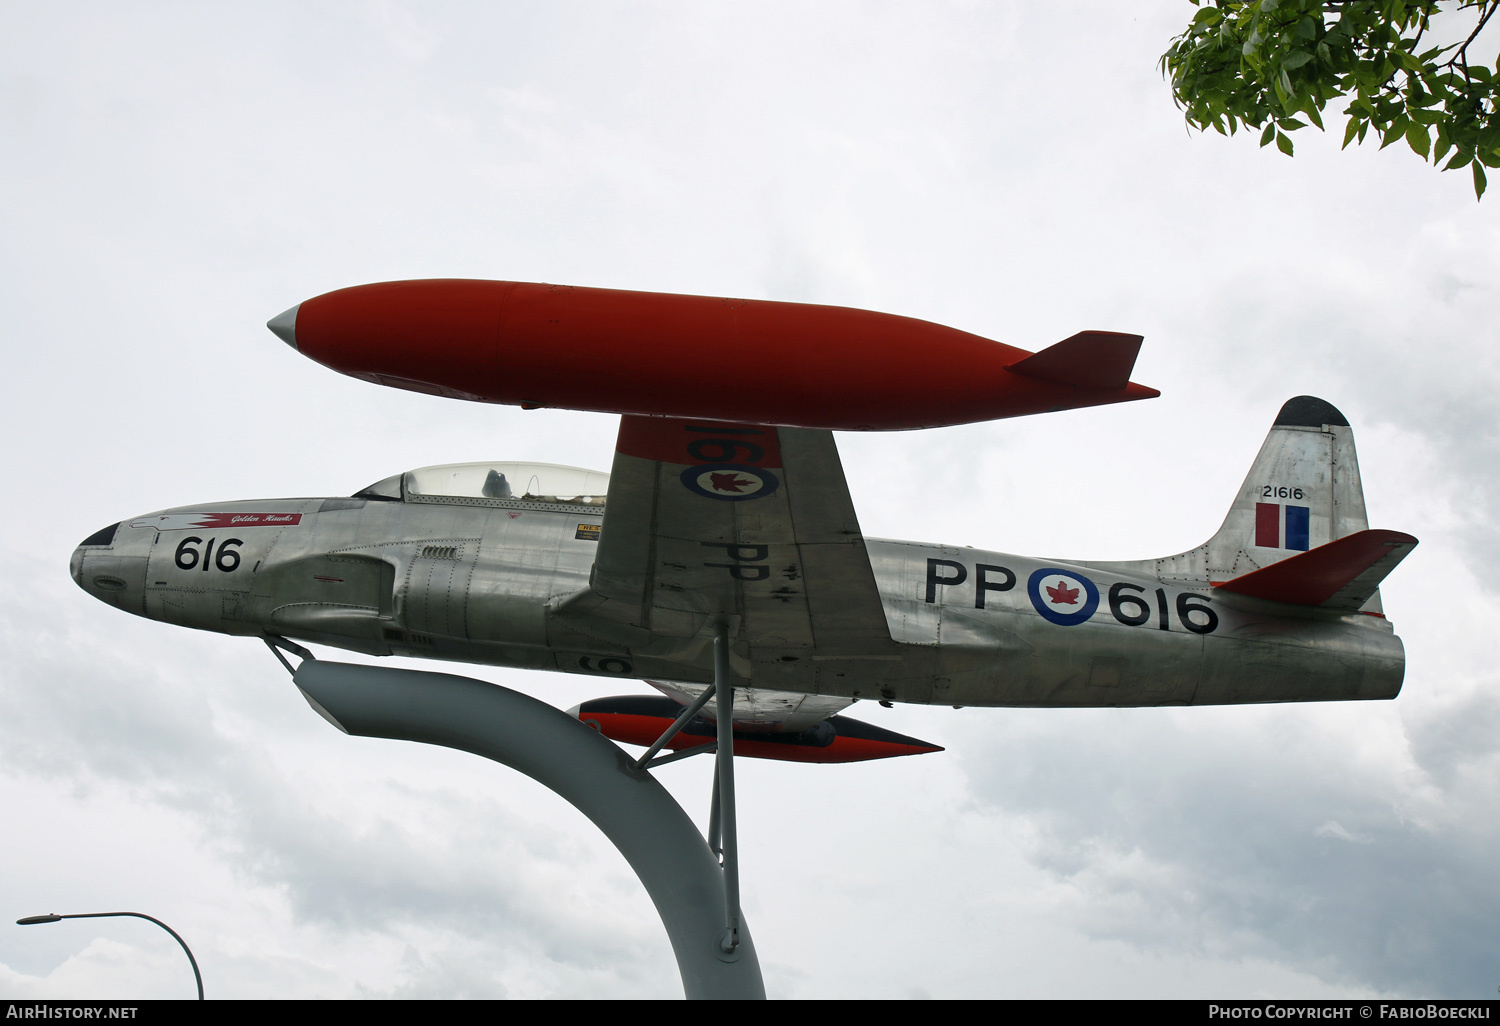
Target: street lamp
52, 918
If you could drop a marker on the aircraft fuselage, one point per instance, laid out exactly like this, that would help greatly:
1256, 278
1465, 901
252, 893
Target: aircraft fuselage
484, 584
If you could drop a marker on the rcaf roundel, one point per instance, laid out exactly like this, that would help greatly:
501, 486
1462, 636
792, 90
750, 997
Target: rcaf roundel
731, 481
1062, 596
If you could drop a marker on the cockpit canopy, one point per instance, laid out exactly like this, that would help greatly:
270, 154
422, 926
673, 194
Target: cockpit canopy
494, 484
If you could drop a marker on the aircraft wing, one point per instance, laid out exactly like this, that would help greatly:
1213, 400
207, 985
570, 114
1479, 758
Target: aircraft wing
748, 524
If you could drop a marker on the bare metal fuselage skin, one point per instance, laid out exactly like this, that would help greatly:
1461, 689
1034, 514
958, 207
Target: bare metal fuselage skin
483, 583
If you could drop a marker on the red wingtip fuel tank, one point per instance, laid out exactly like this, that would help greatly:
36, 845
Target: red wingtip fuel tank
750, 361
641, 719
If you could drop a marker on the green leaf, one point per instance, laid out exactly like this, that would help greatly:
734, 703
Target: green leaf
1283, 143
1349, 131
1290, 124
1479, 181
1442, 145
1296, 60
1268, 134
1396, 131
1418, 139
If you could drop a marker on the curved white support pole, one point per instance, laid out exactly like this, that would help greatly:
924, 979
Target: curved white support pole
635, 812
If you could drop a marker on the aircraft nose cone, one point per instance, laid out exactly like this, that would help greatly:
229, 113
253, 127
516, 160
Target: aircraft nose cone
284, 325
101, 537
110, 565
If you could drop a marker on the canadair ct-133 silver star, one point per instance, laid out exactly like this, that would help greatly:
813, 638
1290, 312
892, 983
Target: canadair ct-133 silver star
747, 527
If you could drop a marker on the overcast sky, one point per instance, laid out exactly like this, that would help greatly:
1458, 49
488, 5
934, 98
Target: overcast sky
171, 175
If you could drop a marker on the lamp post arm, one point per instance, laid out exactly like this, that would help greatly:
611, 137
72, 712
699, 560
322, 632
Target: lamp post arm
31, 920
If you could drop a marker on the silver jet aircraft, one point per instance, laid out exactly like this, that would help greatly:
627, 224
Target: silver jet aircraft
706, 526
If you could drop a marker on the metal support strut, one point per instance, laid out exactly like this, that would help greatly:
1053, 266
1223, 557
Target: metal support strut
646, 761
727, 841
723, 838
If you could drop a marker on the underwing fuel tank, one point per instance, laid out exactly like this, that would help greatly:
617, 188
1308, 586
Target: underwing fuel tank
641, 719
753, 361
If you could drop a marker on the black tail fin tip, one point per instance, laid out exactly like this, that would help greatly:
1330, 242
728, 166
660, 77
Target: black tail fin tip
1309, 411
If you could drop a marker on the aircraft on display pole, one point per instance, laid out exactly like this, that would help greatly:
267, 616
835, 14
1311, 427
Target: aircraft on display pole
726, 512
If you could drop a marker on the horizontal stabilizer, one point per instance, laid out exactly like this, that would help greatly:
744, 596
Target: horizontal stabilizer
1341, 575
1090, 359
641, 719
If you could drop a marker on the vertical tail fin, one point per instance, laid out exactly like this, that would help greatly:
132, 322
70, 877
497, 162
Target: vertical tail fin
1303, 491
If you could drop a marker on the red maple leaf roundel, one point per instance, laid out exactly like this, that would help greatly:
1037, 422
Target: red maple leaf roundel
1062, 594
728, 483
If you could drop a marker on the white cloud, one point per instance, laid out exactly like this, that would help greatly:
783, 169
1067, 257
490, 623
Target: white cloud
174, 176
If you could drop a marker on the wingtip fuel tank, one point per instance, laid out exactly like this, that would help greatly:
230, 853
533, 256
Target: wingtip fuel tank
654, 354
641, 719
